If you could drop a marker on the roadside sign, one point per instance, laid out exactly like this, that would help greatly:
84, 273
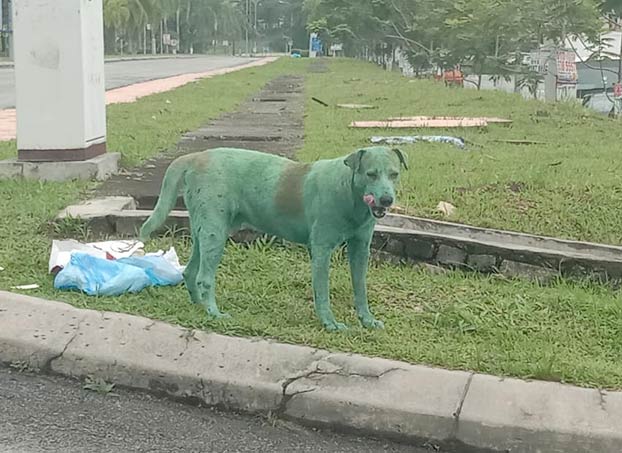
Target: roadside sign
566, 67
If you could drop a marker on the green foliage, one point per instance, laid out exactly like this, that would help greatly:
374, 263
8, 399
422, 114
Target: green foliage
197, 23
484, 35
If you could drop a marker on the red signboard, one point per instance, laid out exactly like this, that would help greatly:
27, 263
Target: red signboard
566, 67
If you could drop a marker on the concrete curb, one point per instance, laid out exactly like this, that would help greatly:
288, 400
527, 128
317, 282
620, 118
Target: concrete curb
376, 396
400, 238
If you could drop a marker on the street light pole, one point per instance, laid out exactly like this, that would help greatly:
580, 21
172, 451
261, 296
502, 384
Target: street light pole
256, 2
246, 13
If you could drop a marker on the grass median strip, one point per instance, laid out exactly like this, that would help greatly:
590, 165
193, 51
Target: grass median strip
565, 332
568, 186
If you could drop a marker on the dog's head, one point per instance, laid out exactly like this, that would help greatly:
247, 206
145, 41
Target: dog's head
376, 171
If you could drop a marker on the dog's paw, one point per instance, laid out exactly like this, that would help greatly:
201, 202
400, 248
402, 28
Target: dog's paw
219, 316
372, 323
334, 326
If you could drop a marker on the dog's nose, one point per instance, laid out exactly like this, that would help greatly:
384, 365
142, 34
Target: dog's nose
386, 201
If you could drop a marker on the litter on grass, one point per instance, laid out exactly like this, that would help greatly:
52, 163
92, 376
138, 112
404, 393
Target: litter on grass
446, 208
112, 268
488, 119
458, 142
62, 250
356, 106
429, 122
31, 286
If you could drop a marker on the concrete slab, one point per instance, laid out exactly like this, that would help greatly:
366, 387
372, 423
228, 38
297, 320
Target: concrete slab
33, 331
345, 390
100, 168
519, 416
95, 207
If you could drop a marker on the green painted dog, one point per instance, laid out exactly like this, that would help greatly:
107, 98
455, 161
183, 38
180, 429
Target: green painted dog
321, 205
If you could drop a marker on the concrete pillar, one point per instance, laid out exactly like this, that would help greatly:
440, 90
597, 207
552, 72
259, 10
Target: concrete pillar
312, 39
59, 75
550, 76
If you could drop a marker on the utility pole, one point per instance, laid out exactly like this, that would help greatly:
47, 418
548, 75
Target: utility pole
255, 27
550, 77
248, 23
1, 25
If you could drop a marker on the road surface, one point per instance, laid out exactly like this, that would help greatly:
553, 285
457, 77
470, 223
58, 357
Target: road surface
50, 414
121, 73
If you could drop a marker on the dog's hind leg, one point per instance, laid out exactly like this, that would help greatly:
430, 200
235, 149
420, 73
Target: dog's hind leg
212, 237
192, 270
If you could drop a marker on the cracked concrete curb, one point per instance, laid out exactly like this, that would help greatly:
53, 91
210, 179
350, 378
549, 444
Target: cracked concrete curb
375, 396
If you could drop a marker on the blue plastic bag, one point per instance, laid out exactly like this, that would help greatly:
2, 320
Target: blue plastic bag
100, 277
159, 270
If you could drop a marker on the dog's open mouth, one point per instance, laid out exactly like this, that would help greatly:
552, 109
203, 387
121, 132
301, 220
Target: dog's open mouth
378, 212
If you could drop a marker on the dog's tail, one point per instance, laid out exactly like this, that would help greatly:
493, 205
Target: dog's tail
167, 199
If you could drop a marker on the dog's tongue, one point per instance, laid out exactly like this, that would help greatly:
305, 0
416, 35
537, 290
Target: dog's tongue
369, 200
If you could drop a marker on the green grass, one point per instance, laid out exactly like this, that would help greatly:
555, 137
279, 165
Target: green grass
570, 187
564, 332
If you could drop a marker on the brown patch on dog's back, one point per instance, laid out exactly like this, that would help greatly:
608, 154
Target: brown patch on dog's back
288, 197
200, 162
195, 161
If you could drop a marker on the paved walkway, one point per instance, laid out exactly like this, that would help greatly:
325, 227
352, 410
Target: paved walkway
270, 121
135, 91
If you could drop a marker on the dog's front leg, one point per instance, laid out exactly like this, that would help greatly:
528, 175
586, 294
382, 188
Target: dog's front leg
358, 256
320, 262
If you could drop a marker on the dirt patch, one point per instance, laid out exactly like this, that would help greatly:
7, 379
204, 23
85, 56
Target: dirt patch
270, 121
513, 187
318, 65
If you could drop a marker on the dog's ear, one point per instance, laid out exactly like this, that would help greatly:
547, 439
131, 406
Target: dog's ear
401, 157
354, 160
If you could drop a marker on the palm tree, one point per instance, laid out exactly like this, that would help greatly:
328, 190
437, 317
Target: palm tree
116, 17
195, 22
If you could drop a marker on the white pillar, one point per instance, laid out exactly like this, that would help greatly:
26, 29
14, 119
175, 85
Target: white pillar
59, 78
550, 77
312, 37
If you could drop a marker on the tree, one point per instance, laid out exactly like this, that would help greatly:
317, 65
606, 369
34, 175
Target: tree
484, 36
116, 17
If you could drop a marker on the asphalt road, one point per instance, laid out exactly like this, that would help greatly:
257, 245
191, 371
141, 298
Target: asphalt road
121, 73
51, 414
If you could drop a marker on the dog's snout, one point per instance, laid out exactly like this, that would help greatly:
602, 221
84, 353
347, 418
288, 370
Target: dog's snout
386, 201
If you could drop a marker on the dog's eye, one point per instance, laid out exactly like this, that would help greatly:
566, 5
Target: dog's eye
372, 174
393, 175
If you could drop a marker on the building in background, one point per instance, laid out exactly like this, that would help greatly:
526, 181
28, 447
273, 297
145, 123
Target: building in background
598, 67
